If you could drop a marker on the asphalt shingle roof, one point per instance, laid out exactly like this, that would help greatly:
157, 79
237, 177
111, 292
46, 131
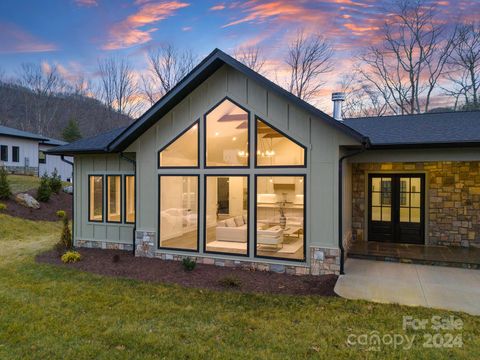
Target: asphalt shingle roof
93, 144
54, 142
424, 129
8, 131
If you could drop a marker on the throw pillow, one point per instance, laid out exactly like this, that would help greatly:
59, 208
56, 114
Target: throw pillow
230, 223
239, 220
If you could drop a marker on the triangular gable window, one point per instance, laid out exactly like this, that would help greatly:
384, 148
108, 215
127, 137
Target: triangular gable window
181, 152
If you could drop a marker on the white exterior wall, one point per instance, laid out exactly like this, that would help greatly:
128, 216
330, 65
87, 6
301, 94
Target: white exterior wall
28, 151
55, 162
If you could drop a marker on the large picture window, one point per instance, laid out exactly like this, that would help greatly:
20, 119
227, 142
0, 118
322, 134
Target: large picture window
226, 202
276, 149
280, 217
95, 197
114, 198
130, 199
227, 136
182, 151
178, 216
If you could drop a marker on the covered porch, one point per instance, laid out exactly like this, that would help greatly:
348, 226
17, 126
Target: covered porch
422, 212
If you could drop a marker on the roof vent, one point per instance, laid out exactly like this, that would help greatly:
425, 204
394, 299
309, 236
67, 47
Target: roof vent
338, 98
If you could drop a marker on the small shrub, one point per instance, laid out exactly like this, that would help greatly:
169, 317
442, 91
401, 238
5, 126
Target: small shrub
44, 192
116, 258
189, 264
71, 257
230, 282
55, 182
3, 207
61, 214
5, 191
66, 237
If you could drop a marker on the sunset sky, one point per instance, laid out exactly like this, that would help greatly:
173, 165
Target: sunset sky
75, 33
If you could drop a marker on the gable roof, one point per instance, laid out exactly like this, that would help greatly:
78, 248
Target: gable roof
94, 144
422, 130
54, 142
8, 131
200, 73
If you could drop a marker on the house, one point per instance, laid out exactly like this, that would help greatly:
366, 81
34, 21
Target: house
233, 170
47, 163
23, 152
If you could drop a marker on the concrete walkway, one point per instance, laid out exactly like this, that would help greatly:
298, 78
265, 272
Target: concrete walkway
409, 284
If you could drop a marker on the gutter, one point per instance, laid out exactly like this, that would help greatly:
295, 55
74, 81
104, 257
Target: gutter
134, 163
62, 157
365, 146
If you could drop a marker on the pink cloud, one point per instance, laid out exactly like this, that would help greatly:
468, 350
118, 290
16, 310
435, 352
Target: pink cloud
217, 7
86, 3
13, 39
132, 31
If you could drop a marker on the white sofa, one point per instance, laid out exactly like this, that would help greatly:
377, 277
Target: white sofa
232, 229
272, 236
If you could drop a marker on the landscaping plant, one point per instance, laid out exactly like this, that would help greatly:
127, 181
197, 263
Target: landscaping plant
3, 207
5, 191
61, 214
189, 264
65, 242
71, 257
230, 282
44, 191
55, 182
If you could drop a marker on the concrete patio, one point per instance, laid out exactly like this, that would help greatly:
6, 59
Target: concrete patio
411, 284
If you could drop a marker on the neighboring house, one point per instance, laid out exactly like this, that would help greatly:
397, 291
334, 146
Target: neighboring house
23, 152
233, 170
48, 163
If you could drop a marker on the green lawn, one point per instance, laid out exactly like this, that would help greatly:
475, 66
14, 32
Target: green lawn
50, 312
21, 183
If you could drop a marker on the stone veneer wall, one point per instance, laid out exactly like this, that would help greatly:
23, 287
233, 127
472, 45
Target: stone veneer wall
452, 196
322, 260
94, 244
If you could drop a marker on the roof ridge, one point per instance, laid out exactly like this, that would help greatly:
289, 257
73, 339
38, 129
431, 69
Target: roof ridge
408, 115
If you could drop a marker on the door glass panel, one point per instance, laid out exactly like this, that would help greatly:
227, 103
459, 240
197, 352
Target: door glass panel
415, 215
376, 213
376, 184
404, 199
415, 185
386, 213
404, 184
404, 214
376, 199
415, 199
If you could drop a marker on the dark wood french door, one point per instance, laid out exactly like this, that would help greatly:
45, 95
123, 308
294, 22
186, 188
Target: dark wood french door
396, 210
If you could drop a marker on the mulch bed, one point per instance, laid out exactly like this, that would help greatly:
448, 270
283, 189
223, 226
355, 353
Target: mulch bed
47, 211
99, 261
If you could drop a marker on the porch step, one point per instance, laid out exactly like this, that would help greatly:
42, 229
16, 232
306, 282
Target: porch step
467, 258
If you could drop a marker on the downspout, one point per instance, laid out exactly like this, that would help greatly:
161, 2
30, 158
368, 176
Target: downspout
365, 145
134, 163
62, 157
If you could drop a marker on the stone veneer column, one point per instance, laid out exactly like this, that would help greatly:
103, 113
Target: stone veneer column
145, 243
324, 261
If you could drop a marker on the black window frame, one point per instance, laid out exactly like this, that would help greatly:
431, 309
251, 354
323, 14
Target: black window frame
40, 160
205, 214
103, 198
125, 198
159, 166
257, 119
159, 217
16, 154
4, 153
304, 259
108, 202
205, 147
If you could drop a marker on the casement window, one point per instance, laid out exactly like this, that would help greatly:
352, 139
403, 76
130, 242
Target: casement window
226, 131
15, 154
42, 157
182, 152
226, 203
3, 152
178, 215
129, 199
114, 198
95, 198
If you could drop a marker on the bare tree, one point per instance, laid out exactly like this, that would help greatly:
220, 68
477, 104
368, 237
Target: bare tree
118, 88
251, 56
45, 82
407, 67
465, 68
308, 58
168, 65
